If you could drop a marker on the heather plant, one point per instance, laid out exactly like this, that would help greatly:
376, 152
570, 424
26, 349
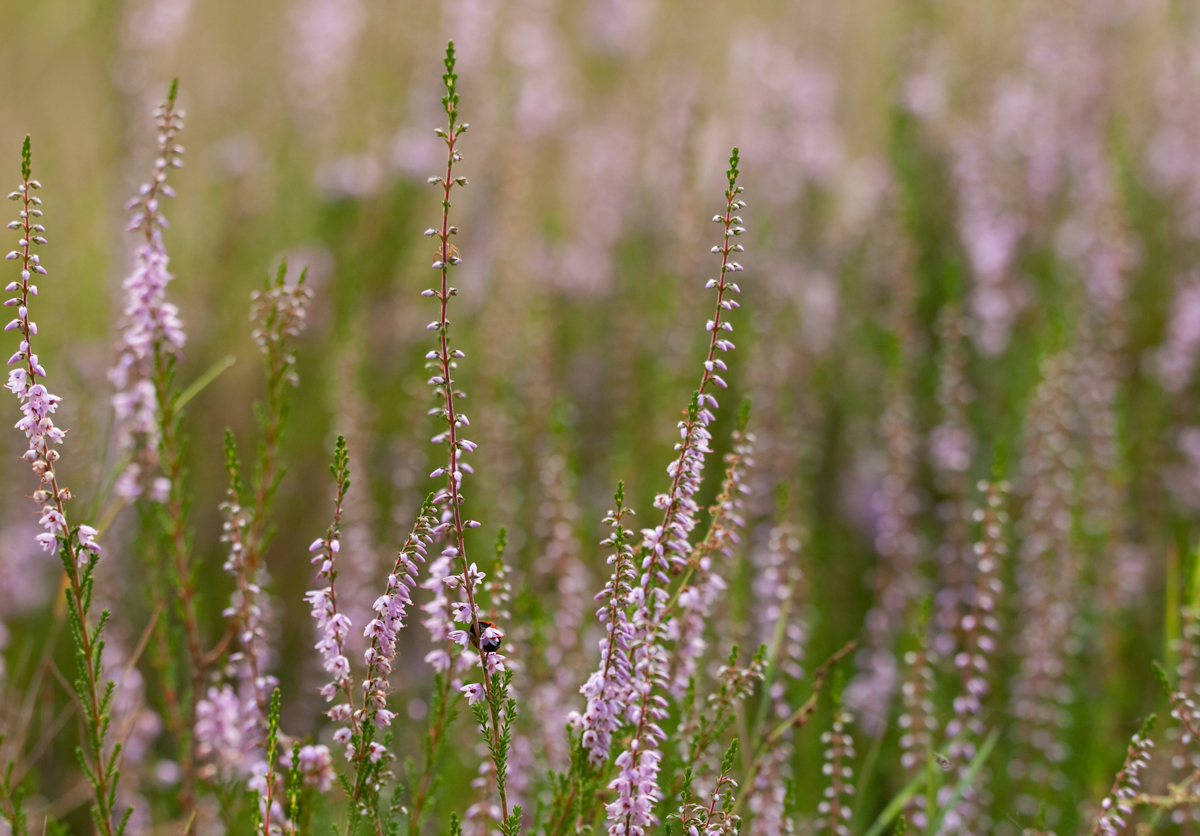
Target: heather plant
844, 608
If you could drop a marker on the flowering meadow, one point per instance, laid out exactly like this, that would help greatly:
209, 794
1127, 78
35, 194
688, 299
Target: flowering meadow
642, 417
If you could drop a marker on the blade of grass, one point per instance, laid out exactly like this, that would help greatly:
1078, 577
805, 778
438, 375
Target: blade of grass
214, 371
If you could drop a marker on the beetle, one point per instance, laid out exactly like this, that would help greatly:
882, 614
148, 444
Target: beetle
490, 644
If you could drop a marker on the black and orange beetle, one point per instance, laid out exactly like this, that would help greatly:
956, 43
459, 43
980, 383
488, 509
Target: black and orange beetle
490, 644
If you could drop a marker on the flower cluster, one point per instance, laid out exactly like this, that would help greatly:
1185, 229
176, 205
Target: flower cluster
476, 633
390, 611
280, 311
607, 688
333, 627
835, 809
697, 597
636, 783
667, 548
227, 736
437, 612
152, 331
1118, 805
316, 767
38, 405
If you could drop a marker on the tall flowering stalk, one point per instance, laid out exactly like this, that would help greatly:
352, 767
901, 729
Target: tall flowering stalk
368, 756
147, 416
666, 548
279, 312
390, 609
607, 687
1118, 804
152, 334
443, 360
667, 544
332, 626
246, 609
77, 544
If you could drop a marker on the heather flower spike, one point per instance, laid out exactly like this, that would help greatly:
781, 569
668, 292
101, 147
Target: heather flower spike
607, 689
443, 362
666, 548
152, 334
333, 627
1118, 804
76, 545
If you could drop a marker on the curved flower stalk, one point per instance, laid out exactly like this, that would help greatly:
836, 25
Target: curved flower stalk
390, 609
152, 333
147, 417
666, 548
76, 545
608, 686
278, 311
696, 598
1118, 804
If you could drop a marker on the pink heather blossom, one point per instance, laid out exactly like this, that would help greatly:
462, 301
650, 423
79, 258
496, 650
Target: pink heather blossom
1118, 805
390, 610
152, 333
666, 546
696, 598
38, 405
316, 767
607, 689
248, 610
227, 735
437, 613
